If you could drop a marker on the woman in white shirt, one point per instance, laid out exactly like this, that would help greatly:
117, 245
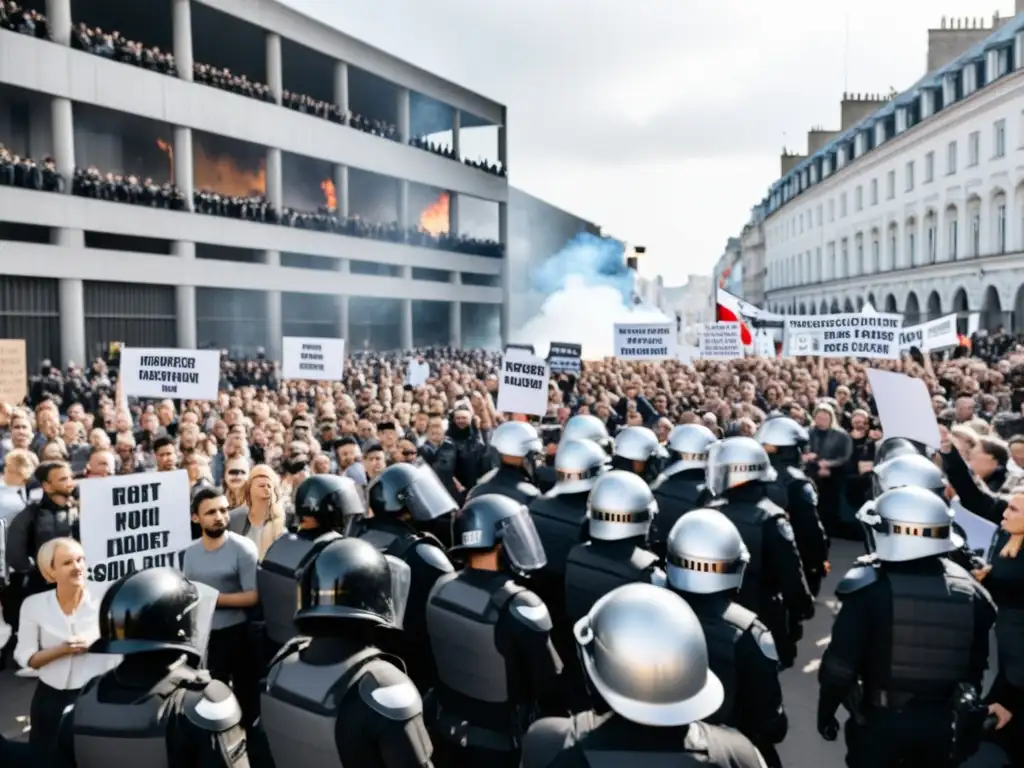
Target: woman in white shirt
56, 629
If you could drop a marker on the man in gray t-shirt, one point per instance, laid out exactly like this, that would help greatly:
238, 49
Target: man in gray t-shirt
230, 569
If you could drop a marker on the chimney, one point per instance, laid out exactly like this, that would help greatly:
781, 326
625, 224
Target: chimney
633, 261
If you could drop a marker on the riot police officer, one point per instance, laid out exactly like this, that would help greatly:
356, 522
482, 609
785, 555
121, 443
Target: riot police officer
155, 706
637, 450
646, 661
891, 447
784, 441
332, 698
706, 561
619, 513
402, 498
324, 505
680, 487
490, 637
739, 473
519, 451
913, 628
586, 426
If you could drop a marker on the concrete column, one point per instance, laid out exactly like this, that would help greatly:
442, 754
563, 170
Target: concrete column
407, 313
341, 189
403, 114
456, 131
183, 162
68, 238
453, 213
403, 203
506, 275
186, 298
63, 123
344, 266
58, 20
273, 299
275, 67
72, 322
503, 146
455, 316
275, 186
182, 22
341, 86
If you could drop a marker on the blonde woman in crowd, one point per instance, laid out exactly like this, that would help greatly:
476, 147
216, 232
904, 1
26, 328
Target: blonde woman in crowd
236, 474
55, 631
262, 517
19, 464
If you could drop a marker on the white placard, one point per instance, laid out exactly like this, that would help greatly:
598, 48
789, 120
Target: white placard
417, 373
523, 383
644, 341
686, 354
721, 341
312, 359
764, 345
935, 334
849, 334
977, 530
181, 374
131, 522
904, 407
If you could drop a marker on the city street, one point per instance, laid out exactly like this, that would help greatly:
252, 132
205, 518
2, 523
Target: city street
803, 747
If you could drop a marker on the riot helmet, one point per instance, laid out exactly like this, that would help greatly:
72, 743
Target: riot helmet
578, 465
334, 502
706, 553
155, 609
637, 450
644, 653
620, 506
410, 489
907, 469
492, 520
736, 461
586, 426
892, 447
350, 579
908, 523
784, 440
688, 445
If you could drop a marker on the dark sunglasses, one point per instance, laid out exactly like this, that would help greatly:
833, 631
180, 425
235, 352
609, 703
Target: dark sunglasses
236, 472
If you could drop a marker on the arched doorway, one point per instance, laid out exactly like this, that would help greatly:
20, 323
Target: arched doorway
912, 311
848, 306
991, 309
835, 306
823, 309
860, 303
960, 306
890, 304
1018, 310
934, 306
803, 309
871, 300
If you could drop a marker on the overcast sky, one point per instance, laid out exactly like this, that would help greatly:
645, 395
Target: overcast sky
661, 120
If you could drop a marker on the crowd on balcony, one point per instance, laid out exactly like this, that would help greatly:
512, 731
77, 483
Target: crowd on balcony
445, 150
328, 111
114, 46
14, 18
117, 188
24, 172
247, 208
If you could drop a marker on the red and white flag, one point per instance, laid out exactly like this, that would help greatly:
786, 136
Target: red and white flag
733, 309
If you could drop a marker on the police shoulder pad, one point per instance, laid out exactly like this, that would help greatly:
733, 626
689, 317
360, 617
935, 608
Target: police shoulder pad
213, 709
766, 642
857, 578
434, 556
530, 610
785, 529
388, 691
808, 493
796, 473
532, 491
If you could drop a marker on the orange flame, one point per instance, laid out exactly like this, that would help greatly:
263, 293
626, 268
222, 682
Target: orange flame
330, 198
435, 218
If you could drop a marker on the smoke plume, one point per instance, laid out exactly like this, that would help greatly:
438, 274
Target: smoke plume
589, 288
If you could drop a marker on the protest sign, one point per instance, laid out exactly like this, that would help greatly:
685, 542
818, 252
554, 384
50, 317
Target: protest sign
686, 354
131, 522
904, 407
930, 336
523, 347
644, 341
764, 345
183, 374
417, 373
523, 383
13, 371
313, 359
850, 334
721, 341
565, 358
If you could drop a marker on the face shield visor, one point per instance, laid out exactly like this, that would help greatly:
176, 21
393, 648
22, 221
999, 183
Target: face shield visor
521, 544
401, 583
427, 499
202, 619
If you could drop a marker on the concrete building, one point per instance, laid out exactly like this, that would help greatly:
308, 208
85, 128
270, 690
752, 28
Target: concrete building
728, 272
691, 305
752, 261
919, 206
76, 273
651, 291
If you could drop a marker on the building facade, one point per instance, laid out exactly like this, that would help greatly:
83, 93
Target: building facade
752, 261
691, 305
76, 272
917, 208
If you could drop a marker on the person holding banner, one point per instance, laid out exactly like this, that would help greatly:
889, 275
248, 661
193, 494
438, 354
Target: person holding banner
519, 450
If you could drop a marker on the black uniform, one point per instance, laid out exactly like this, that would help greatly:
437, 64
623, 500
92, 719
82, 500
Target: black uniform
795, 493
148, 715
506, 480
742, 653
495, 660
676, 495
591, 740
16, 754
910, 633
428, 562
773, 585
595, 568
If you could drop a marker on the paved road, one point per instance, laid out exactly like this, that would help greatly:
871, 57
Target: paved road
802, 749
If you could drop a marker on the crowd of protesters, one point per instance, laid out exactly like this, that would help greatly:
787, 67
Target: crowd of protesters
116, 188
15, 18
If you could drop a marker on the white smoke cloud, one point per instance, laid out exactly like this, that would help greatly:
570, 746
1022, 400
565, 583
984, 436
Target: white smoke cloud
583, 314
